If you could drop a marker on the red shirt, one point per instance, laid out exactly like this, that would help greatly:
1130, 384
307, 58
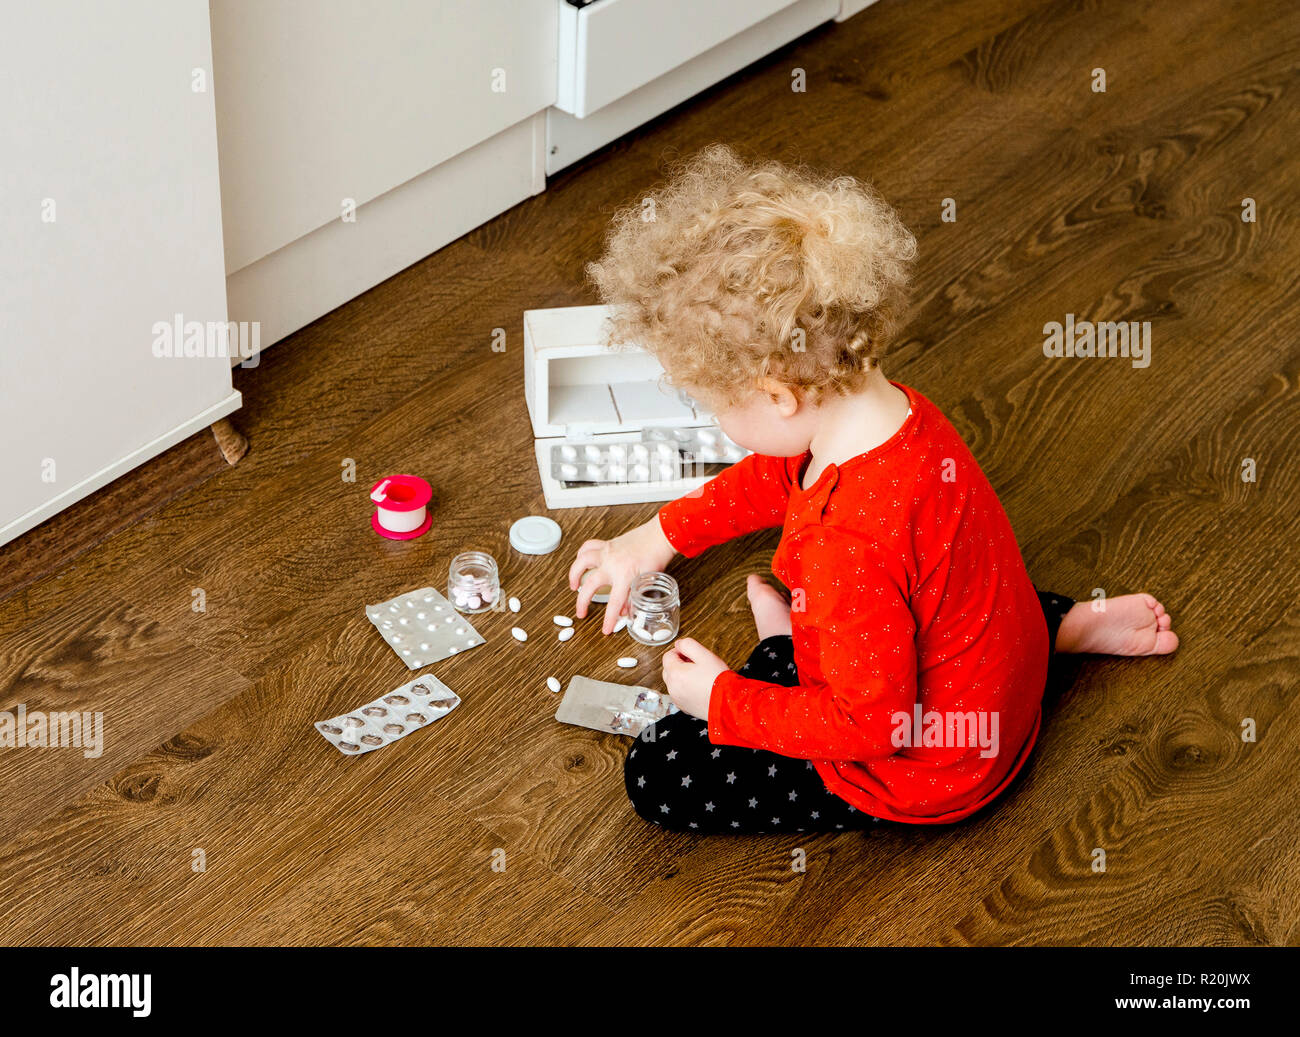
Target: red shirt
909, 597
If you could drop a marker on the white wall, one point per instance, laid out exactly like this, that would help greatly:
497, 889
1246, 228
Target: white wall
98, 114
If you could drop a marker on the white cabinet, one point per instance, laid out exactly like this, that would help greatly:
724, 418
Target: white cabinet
111, 223
423, 117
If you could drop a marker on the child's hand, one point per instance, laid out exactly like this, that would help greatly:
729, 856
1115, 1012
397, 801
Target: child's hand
617, 562
689, 672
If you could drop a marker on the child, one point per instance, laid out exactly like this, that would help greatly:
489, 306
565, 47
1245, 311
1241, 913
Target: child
905, 684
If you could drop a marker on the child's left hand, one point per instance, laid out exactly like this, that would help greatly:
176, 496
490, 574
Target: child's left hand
689, 672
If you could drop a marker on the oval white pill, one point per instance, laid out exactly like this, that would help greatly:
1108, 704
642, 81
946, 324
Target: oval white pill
565, 633
514, 604
562, 621
627, 662
622, 622
569, 471
552, 683
519, 633
640, 473
568, 452
662, 635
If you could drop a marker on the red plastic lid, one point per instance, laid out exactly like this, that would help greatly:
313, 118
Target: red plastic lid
401, 493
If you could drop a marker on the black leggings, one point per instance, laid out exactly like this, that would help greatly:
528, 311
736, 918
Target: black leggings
678, 779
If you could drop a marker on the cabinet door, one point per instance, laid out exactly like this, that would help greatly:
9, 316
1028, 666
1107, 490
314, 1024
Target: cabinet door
319, 101
111, 222
609, 48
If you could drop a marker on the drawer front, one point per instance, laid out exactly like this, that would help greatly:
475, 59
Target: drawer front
611, 47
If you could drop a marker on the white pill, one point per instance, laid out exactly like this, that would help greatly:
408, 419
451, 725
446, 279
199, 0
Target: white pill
617, 472
552, 683
621, 624
562, 621
617, 452
514, 604
519, 633
565, 633
474, 601
568, 452
594, 472
640, 473
591, 452
627, 662
662, 635
569, 471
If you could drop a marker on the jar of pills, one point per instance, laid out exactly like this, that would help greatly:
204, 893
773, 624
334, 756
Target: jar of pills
473, 584
654, 607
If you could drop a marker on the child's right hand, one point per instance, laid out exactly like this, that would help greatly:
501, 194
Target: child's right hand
617, 562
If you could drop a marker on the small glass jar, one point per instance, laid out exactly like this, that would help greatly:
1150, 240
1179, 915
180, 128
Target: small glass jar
654, 608
473, 584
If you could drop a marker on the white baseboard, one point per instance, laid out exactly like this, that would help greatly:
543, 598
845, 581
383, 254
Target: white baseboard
106, 475
294, 285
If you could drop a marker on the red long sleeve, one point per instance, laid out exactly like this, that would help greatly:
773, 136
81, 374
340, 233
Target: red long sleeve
750, 495
866, 653
910, 598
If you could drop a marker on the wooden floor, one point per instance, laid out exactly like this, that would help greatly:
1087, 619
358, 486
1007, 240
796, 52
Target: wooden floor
1118, 205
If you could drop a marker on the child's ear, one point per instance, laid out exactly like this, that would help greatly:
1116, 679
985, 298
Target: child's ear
785, 398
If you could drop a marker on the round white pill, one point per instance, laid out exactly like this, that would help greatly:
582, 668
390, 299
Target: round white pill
514, 604
552, 683
562, 621
519, 633
565, 633
640, 451
627, 662
568, 452
474, 602
591, 452
662, 635
617, 452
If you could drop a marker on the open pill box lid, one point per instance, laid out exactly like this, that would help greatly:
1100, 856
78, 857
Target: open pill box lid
577, 386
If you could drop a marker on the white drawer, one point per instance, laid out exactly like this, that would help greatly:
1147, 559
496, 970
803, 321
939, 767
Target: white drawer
611, 47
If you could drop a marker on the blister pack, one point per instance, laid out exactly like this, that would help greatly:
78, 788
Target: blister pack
698, 445
615, 462
619, 709
416, 704
422, 627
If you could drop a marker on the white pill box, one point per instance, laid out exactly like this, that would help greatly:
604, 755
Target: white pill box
580, 392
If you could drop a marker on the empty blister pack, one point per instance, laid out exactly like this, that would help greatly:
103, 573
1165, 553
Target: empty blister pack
700, 445
414, 705
615, 462
619, 709
422, 627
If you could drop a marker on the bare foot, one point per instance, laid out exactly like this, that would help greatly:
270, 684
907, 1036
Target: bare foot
1133, 624
771, 611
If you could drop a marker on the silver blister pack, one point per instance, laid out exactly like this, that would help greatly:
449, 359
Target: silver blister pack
615, 462
414, 705
619, 709
708, 445
422, 627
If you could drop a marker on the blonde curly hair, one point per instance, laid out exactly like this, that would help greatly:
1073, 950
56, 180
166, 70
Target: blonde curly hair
734, 271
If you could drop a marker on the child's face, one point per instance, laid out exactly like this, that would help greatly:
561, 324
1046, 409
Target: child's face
780, 427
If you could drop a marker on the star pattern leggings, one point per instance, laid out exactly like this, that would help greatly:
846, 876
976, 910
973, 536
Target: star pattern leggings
677, 778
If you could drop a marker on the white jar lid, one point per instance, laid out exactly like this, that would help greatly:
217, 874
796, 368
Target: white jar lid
535, 535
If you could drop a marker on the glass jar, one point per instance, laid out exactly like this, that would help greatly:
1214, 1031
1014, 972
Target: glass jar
654, 607
473, 584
